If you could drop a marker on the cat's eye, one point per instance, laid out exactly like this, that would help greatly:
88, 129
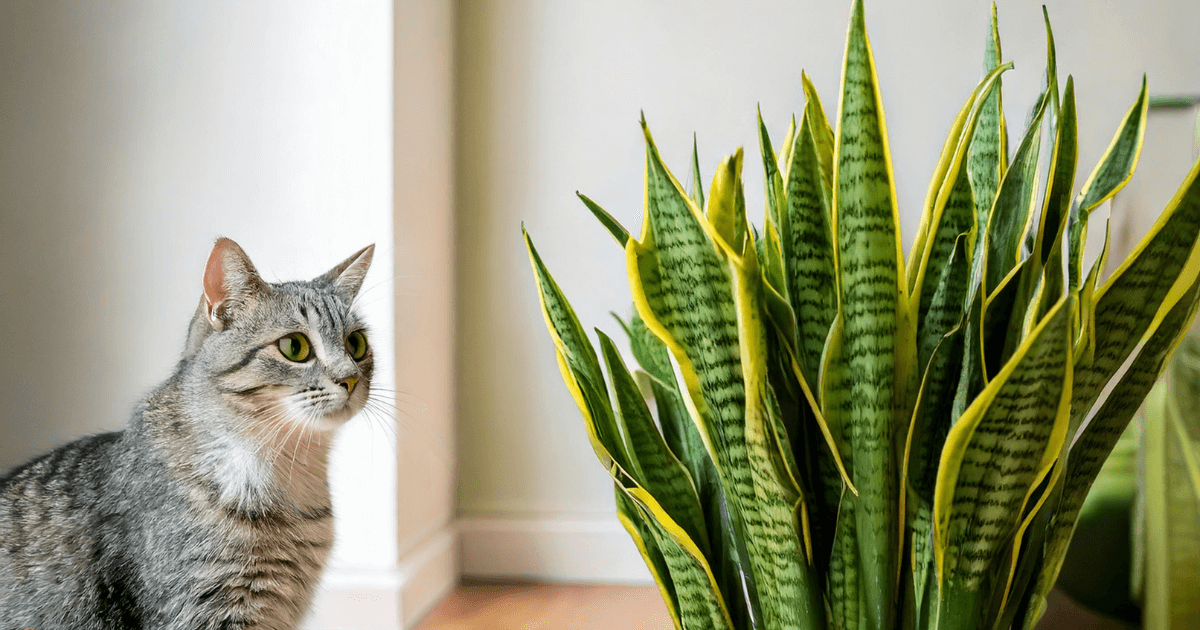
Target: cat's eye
356, 345
295, 347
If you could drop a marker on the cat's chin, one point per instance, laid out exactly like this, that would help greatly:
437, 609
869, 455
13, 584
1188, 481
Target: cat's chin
332, 421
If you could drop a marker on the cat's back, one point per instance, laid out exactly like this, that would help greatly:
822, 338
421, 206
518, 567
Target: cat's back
53, 525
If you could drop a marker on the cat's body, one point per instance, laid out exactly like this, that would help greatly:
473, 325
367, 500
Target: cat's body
211, 509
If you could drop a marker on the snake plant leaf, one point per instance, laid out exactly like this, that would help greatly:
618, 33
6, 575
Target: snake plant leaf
874, 310
955, 209
683, 438
1112, 172
647, 545
994, 458
847, 599
785, 149
1012, 211
658, 470
988, 155
936, 183
773, 179
808, 248
821, 130
705, 309
1098, 437
926, 435
1171, 482
724, 198
580, 368
788, 593
697, 193
1085, 344
1052, 227
1127, 303
699, 601
614, 227
940, 351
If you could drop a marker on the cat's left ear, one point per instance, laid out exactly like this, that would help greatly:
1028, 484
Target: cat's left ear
347, 278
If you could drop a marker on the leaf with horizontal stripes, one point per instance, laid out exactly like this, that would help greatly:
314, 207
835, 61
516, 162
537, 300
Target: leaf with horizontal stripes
1112, 172
987, 158
819, 124
1012, 211
995, 456
657, 469
1127, 303
683, 438
1097, 439
808, 249
696, 289
874, 313
698, 599
580, 368
647, 545
955, 209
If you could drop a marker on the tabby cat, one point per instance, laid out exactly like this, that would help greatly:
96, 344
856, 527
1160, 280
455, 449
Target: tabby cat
211, 509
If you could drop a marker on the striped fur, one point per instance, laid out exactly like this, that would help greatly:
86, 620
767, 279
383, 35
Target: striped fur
211, 509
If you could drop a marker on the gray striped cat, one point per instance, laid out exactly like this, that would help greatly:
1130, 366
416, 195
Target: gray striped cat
211, 509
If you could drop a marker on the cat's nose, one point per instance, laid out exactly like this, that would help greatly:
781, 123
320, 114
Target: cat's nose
349, 384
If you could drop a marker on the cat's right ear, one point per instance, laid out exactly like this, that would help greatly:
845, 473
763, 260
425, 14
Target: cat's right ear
230, 282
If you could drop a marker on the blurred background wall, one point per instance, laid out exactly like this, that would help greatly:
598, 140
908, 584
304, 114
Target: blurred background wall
549, 98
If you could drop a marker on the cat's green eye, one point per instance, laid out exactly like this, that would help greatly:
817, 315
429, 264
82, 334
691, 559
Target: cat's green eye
356, 344
295, 347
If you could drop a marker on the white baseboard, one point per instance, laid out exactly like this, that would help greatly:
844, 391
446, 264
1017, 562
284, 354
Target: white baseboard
388, 599
556, 549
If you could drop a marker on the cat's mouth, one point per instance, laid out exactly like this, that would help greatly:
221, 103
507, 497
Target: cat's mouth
325, 409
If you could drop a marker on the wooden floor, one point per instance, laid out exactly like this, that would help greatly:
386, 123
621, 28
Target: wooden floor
494, 606
507, 606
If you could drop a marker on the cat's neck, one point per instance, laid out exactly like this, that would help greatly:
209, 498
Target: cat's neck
252, 461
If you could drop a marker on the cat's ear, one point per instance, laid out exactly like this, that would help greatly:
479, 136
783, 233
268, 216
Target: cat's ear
347, 278
230, 282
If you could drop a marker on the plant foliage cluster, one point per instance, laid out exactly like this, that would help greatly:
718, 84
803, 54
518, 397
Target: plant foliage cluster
845, 438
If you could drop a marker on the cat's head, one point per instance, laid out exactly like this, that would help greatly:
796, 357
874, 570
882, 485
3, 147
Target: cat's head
291, 353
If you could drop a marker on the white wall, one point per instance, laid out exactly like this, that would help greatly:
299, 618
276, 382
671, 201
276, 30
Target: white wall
134, 132
549, 98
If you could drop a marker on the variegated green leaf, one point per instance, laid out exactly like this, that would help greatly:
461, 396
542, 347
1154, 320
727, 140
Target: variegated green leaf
808, 248
647, 545
822, 132
683, 438
700, 604
1112, 172
1097, 439
772, 178
987, 159
580, 368
1012, 212
697, 192
955, 209
1128, 301
876, 337
1057, 203
698, 288
994, 457
618, 231
657, 469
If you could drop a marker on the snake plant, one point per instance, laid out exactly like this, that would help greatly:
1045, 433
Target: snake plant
845, 438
